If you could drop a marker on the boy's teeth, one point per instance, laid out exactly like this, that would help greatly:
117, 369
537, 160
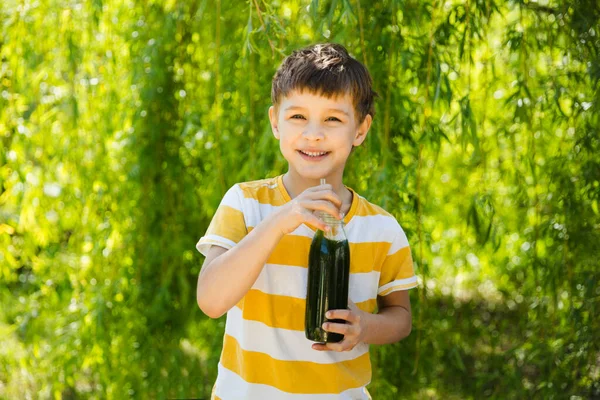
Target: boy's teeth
312, 154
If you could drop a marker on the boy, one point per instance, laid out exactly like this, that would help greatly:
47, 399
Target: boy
257, 246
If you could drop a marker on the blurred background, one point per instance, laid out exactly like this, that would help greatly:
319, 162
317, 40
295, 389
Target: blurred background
123, 123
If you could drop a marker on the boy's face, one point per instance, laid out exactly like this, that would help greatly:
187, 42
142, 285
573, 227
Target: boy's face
316, 134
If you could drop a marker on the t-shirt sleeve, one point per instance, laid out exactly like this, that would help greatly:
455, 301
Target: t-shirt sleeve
397, 271
228, 225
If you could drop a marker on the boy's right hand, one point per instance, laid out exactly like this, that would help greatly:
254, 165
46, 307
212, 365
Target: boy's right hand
300, 209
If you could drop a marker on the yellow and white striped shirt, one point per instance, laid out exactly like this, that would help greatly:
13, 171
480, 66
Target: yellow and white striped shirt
265, 353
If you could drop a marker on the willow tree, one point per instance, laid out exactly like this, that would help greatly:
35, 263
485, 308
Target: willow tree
122, 124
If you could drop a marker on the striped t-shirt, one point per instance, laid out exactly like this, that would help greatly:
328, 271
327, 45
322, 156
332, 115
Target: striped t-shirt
265, 353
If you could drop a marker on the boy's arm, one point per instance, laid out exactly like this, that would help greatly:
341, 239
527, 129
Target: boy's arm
227, 275
393, 321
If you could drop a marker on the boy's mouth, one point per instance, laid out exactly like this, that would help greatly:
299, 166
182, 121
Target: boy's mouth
313, 155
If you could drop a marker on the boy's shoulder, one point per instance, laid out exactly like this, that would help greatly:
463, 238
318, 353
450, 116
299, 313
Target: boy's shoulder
268, 183
373, 214
368, 208
266, 190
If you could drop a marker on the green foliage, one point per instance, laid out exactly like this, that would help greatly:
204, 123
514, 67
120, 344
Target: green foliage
122, 123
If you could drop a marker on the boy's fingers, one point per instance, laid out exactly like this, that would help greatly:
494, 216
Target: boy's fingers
327, 194
323, 205
317, 188
328, 207
346, 315
332, 197
344, 329
312, 219
320, 347
344, 345
341, 346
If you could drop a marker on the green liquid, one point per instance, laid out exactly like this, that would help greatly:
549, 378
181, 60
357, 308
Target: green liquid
328, 280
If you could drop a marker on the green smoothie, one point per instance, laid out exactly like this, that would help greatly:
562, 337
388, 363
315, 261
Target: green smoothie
328, 281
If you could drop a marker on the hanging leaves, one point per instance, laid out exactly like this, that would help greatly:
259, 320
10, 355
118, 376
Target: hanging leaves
123, 123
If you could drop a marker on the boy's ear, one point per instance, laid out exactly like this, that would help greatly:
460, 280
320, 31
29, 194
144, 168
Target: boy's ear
273, 118
363, 129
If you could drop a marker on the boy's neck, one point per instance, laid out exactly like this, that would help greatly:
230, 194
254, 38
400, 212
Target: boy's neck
295, 184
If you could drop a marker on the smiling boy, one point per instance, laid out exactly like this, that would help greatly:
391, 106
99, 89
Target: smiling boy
257, 245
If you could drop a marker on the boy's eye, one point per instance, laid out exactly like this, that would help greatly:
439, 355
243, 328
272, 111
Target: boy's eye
300, 116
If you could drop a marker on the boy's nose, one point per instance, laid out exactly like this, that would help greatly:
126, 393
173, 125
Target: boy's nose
313, 132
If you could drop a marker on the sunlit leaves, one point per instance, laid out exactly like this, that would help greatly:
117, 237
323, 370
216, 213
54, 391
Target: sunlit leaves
122, 123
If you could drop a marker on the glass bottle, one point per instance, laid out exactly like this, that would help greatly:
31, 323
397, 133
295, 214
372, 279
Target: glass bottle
328, 279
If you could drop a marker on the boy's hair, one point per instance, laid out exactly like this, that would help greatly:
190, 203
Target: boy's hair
326, 69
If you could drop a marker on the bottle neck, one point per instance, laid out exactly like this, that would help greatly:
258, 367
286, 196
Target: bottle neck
336, 232
329, 219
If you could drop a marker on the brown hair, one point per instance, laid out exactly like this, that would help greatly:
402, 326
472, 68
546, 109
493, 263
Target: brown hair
329, 70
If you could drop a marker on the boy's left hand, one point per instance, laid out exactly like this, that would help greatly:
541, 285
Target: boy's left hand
354, 330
